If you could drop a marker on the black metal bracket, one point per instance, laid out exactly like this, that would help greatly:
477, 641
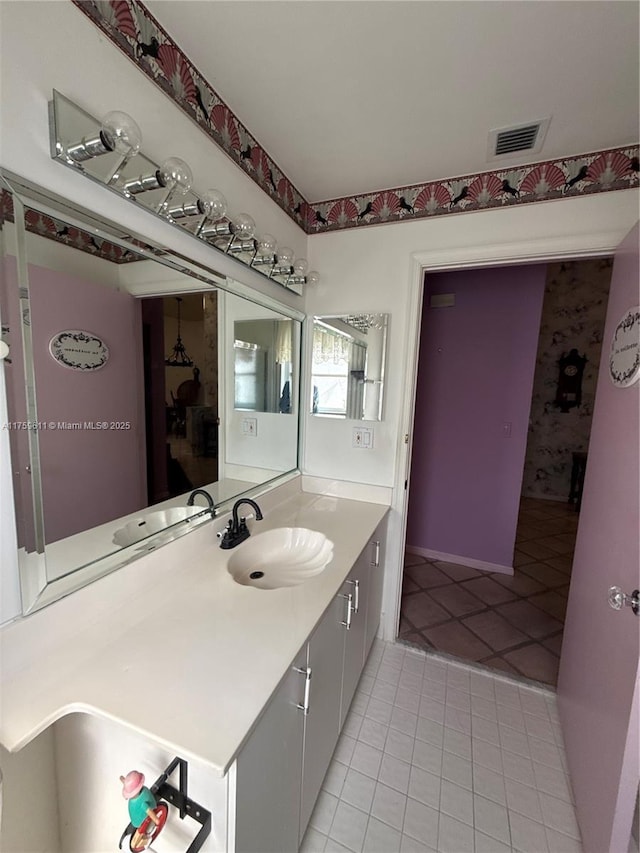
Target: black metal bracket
179, 798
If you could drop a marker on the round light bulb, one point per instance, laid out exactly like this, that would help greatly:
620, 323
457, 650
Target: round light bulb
285, 257
121, 133
300, 267
313, 277
213, 204
175, 174
243, 226
266, 245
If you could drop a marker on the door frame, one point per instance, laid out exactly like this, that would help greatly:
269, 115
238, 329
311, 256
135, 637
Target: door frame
463, 256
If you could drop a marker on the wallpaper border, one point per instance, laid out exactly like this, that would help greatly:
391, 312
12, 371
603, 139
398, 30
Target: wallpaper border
134, 30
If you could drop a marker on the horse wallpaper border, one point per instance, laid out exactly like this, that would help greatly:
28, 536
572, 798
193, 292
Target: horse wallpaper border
134, 30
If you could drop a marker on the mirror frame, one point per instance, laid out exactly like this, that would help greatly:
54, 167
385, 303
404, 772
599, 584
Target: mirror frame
37, 590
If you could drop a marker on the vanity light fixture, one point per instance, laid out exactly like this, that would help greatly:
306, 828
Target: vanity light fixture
118, 132
178, 357
211, 206
203, 215
233, 236
265, 251
174, 175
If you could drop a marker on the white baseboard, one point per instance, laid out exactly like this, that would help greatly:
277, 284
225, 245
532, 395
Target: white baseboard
460, 560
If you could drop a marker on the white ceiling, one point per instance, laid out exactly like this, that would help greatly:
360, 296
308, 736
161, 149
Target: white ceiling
350, 96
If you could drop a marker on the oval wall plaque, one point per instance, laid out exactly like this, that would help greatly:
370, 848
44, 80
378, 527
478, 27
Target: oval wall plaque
624, 361
78, 350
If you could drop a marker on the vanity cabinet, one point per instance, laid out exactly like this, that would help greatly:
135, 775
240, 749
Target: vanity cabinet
364, 587
356, 588
268, 773
280, 770
377, 548
322, 724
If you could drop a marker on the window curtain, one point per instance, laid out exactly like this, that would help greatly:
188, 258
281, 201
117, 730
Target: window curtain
284, 345
355, 387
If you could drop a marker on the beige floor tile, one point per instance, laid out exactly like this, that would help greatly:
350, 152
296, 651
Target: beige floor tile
454, 639
427, 575
495, 631
535, 662
421, 610
544, 574
535, 622
457, 600
487, 590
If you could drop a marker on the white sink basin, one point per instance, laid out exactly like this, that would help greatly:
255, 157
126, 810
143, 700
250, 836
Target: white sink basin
152, 522
285, 556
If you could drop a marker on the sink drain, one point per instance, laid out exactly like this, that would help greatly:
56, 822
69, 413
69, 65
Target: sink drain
256, 575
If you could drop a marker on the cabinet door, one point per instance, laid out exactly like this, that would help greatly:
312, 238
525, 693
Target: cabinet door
357, 586
269, 773
322, 723
376, 583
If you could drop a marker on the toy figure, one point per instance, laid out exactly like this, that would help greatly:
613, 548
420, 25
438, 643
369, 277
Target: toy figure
144, 813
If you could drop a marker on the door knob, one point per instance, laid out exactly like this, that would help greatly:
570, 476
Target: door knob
618, 599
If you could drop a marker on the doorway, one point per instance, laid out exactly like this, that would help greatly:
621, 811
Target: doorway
180, 339
456, 597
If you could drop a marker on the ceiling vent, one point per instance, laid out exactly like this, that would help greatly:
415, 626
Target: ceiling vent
511, 141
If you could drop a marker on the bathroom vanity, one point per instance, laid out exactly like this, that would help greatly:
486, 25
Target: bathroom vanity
171, 656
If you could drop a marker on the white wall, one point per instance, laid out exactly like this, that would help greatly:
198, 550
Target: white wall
377, 268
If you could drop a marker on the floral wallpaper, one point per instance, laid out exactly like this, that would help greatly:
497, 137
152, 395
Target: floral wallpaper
134, 30
573, 315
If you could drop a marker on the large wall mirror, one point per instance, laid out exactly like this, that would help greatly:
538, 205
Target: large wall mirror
347, 366
134, 378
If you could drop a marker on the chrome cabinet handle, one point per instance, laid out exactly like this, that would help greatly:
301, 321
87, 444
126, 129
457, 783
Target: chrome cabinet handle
306, 671
376, 553
347, 622
356, 603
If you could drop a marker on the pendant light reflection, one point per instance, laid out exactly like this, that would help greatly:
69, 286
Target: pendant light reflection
178, 357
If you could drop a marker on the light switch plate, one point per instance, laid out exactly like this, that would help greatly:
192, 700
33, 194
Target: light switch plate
363, 437
250, 426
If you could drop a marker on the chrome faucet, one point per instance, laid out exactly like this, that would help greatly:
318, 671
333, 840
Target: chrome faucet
192, 497
236, 530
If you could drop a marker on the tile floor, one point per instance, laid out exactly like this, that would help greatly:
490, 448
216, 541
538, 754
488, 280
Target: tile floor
438, 756
510, 623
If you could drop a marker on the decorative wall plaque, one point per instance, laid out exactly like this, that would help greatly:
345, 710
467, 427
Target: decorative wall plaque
78, 350
624, 361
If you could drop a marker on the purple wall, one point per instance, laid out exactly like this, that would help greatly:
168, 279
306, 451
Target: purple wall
475, 375
89, 476
600, 650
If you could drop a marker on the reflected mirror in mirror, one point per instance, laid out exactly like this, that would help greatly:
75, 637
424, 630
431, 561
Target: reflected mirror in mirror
263, 364
347, 366
124, 396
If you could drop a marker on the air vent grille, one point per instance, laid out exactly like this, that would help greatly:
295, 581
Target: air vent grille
509, 141
520, 139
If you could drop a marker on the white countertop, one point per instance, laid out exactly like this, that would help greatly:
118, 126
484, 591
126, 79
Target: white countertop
170, 645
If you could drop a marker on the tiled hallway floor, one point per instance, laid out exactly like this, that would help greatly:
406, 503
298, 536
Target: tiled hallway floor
510, 623
440, 756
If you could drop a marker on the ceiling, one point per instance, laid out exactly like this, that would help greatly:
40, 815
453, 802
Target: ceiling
350, 96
